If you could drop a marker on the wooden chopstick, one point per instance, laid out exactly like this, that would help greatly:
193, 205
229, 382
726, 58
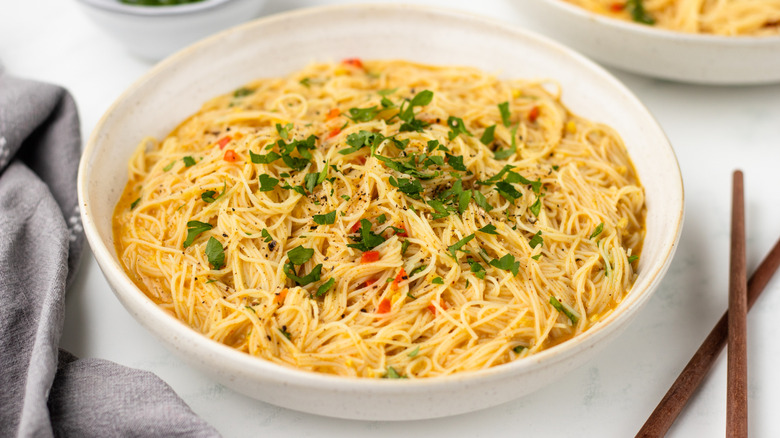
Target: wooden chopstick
692, 375
736, 387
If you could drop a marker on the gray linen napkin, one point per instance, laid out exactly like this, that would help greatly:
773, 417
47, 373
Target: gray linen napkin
45, 392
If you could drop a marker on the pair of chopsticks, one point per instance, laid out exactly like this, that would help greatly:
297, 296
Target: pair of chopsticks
731, 326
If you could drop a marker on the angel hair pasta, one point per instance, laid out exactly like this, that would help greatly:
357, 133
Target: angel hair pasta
384, 219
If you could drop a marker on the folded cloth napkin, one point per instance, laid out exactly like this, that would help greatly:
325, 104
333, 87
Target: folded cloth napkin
46, 392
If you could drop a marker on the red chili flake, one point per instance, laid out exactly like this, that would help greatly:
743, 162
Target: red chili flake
279, 298
402, 233
334, 132
231, 155
361, 160
355, 227
534, 114
224, 141
332, 114
367, 283
369, 257
355, 62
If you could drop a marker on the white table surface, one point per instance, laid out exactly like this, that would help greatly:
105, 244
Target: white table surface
714, 130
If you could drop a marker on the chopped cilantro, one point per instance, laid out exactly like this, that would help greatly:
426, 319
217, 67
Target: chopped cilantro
264, 159
488, 229
363, 114
367, 238
437, 280
325, 287
188, 161
381, 219
565, 309
503, 108
169, 166
267, 236
457, 127
393, 374
507, 263
597, 231
267, 183
536, 207
477, 269
300, 255
481, 201
284, 131
518, 349
456, 162
414, 352
286, 334
404, 247
242, 92
454, 248
134, 204
508, 152
633, 258
417, 270
536, 240
508, 191
386, 91
488, 135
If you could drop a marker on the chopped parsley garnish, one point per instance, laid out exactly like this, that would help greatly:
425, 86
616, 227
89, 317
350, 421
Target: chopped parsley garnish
411, 187
286, 334
414, 352
536, 207
194, 229
477, 269
299, 256
417, 270
215, 253
536, 257
382, 218
325, 287
565, 309
361, 139
208, 196
597, 231
536, 240
134, 204
457, 127
188, 161
503, 154
507, 263
363, 114
481, 201
637, 10
267, 237
518, 349
393, 374
169, 166
284, 131
367, 239
633, 258
508, 191
242, 92
503, 108
312, 180
325, 219
306, 82
264, 159
267, 183
488, 135
404, 246
454, 248
489, 229
406, 113
437, 280
386, 91
456, 162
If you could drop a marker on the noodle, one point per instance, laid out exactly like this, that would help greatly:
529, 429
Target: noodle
385, 219
718, 17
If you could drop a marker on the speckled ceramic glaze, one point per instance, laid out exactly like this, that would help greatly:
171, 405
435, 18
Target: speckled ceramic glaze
281, 44
706, 59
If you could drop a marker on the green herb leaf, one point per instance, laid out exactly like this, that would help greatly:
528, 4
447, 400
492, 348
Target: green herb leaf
368, 239
508, 191
325, 219
488, 229
386, 91
404, 246
518, 349
638, 13
264, 159
414, 352
306, 82
456, 162
361, 139
508, 152
417, 270
536, 257
507, 263
573, 315
457, 127
437, 280
536, 207
422, 98
513, 177
300, 255
409, 186
393, 374
503, 108
460, 244
311, 277
134, 204
597, 231
363, 114
481, 201
286, 334
208, 196
325, 287
381, 219
169, 166
536, 240
215, 253
188, 161
242, 92
267, 183
477, 269
267, 236
194, 229
633, 258
284, 131
489, 135
463, 201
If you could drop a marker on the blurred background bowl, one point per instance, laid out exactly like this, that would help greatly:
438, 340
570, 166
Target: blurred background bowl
638, 48
154, 32
282, 44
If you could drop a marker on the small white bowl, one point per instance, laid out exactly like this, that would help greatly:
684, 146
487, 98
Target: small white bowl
638, 48
282, 44
154, 32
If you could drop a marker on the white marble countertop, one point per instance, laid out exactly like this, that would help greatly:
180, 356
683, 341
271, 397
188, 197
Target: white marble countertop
714, 130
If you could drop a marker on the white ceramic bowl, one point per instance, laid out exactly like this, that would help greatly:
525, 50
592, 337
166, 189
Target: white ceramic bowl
281, 44
661, 53
154, 32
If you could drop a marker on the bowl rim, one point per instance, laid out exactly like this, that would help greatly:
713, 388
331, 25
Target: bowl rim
666, 34
245, 363
118, 7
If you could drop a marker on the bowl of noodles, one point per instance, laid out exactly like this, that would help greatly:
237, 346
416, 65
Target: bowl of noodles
381, 212
727, 42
